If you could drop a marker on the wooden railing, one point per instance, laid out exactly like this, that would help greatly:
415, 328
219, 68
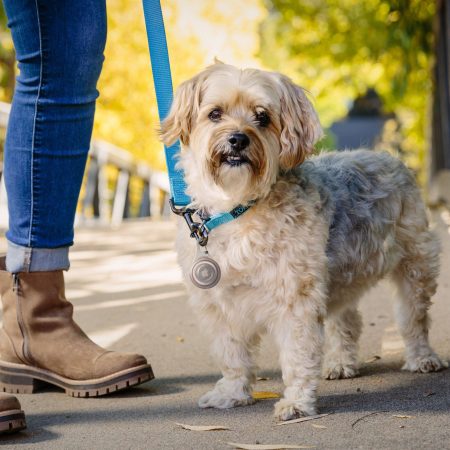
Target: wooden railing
110, 173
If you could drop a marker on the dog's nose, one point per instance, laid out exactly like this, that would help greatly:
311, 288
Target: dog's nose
238, 141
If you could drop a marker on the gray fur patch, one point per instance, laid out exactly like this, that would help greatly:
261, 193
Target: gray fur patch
362, 194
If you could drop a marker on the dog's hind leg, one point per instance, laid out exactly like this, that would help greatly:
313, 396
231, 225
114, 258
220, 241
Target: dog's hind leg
342, 331
415, 278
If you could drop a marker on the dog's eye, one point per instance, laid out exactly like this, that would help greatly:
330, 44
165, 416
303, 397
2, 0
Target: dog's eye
215, 115
262, 118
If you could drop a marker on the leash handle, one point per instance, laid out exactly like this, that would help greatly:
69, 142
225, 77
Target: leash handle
162, 79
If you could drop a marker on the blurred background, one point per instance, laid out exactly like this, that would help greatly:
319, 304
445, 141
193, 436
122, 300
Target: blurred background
377, 72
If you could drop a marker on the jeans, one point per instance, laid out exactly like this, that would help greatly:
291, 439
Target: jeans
59, 46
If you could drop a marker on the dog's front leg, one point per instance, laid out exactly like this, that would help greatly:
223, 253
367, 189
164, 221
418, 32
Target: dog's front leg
234, 355
299, 335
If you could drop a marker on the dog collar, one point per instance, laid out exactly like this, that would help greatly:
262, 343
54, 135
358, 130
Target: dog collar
201, 230
211, 222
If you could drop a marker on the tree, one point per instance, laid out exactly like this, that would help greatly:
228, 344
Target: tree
339, 48
196, 31
7, 59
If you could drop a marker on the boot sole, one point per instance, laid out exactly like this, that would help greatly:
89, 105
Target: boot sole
12, 421
22, 379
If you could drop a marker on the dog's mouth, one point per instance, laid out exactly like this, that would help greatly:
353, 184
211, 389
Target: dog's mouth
234, 159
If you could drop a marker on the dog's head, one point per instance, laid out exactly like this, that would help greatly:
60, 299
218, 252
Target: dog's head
238, 128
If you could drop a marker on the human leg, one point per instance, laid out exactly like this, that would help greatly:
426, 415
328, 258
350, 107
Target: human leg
60, 52
59, 47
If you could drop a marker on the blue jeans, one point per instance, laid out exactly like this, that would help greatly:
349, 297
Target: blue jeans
59, 46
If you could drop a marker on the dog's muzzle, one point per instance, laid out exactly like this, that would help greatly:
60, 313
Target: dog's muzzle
237, 143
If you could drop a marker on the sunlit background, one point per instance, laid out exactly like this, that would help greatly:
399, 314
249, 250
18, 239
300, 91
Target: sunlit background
366, 60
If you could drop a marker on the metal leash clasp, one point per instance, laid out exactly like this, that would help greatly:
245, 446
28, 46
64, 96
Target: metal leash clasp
197, 229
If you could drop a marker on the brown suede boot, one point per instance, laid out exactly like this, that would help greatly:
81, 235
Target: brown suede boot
12, 418
40, 341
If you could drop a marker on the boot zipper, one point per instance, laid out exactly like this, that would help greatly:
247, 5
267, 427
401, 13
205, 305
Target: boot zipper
15, 282
25, 349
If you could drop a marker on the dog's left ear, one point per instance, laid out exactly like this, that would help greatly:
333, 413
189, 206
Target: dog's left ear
300, 126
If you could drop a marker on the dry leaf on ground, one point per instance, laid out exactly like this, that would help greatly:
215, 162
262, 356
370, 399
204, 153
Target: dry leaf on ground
202, 427
373, 359
264, 395
402, 416
180, 339
267, 446
263, 378
303, 419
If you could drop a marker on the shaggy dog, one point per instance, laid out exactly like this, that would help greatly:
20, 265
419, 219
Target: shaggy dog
320, 234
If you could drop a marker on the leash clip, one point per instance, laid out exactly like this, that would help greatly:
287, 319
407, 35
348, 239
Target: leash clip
198, 230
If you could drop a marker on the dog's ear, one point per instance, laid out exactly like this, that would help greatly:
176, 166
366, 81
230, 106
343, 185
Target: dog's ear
183, 112
300, 126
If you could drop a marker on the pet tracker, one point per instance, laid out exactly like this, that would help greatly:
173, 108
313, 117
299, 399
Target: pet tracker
205, 272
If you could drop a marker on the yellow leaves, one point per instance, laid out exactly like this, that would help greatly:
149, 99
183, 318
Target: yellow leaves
265, 395
196, 31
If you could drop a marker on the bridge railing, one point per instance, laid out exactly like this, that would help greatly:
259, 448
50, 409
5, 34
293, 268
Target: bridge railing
116, 186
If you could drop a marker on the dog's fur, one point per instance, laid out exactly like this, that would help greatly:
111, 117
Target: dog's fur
321, 233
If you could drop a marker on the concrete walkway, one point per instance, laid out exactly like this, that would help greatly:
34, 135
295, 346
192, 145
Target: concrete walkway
129, 296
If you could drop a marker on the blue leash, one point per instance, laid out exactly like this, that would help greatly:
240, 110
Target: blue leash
162, 78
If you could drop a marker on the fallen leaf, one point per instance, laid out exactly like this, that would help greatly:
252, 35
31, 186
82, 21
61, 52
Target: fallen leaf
402, 416
267, 446
202, 427
303, 419
264, 395
318, 426
262, 378
373, 359
180, 339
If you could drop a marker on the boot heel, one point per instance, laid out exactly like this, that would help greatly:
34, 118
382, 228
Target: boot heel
17, 384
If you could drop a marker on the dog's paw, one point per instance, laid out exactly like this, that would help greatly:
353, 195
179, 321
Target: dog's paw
217, 399
425, 364
339, 371
290, 409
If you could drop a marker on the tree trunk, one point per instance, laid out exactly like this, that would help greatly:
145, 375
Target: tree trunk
440, 149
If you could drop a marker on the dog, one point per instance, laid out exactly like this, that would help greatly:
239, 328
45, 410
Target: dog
320, 232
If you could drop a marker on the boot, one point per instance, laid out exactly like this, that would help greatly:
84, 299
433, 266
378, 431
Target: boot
12, 418
40, 341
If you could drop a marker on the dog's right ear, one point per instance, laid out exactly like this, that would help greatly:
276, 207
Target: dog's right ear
183, 112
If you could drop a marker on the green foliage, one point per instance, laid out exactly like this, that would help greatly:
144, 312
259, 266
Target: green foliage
7, 59
339, 48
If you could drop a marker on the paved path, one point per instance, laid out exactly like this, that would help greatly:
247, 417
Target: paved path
128, 295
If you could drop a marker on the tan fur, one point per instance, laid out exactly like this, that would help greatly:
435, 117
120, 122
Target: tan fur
276, 274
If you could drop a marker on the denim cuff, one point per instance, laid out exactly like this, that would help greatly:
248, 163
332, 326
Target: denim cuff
27, 259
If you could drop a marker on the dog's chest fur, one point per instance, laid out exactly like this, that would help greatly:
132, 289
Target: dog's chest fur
272, 253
